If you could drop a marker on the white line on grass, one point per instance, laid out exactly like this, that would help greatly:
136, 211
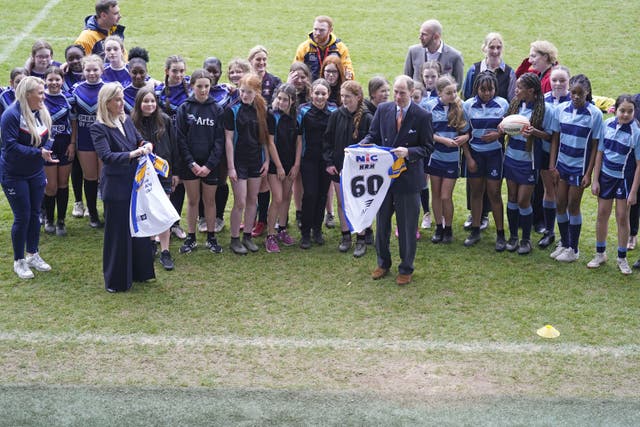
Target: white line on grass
357, 344
26, 31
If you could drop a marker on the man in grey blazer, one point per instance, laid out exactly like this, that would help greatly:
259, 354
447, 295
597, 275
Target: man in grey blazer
432, 47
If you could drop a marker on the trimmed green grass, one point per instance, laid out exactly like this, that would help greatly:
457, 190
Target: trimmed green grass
459, 296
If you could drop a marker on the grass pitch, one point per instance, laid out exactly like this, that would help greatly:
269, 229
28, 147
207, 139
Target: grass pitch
306, 337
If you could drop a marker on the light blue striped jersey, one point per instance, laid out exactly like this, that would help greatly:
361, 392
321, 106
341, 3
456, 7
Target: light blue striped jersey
556, 100
577, 128
620, 148
483, 118
517, 146
441, 127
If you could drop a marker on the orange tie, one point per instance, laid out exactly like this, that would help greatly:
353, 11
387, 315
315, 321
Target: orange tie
399, 119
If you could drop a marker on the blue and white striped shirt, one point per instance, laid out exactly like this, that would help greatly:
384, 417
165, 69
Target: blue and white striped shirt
439, 113
620, 148
517, 146
483, 118
577, 128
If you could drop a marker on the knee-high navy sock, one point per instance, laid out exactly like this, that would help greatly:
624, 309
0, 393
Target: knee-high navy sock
575, 225
526, 221
62, 199
76, 179
563, 227
513, 216
263, 205
49, 203
91, 193
222, 195
424, 199
549, 208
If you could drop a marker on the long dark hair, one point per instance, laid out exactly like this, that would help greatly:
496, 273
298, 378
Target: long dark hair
530, 81
155, 117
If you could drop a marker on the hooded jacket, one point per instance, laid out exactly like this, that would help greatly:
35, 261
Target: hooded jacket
313, 54
92, 37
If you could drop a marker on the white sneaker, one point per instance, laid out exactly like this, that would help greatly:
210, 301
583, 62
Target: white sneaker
558, 250
78, 210
202, 225
219, 225
178, 232
22, 269
36, 261
598, 260
623, 265
426, 220
568, 255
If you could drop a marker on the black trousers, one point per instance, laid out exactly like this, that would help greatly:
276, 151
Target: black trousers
125, 259
315, 184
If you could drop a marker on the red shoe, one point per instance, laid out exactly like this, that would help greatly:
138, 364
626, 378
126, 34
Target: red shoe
258, 229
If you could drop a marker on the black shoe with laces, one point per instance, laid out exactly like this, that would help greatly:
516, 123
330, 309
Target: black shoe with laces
213, 246
188, 246
166, 260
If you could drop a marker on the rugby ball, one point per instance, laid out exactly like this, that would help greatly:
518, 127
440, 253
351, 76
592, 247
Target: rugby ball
513, 124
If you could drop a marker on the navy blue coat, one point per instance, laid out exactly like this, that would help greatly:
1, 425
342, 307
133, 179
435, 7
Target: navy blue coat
113, 149
416, 133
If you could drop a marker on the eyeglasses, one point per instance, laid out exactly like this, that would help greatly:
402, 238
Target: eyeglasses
331, 71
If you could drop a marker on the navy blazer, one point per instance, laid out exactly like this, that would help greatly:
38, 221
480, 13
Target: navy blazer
416, 133
113, 149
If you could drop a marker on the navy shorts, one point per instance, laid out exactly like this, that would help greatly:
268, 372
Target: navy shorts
489, 164
211, 179
613, 188
519, 172
449, 170
246, 172
274, 171
569, 176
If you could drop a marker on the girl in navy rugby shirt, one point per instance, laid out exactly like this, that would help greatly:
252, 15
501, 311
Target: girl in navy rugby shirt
57, 189
171, 95
41, 59
84, 101
115, 69
9, 95
73, 55
312, 123
246, 135
285, 150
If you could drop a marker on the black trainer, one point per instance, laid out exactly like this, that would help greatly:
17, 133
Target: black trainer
188, 246
213, 246
166, 260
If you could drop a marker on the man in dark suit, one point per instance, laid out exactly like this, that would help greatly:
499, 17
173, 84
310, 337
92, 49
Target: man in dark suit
432, 48
401, 124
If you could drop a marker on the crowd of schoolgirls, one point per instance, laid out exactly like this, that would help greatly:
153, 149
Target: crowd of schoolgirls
276, 141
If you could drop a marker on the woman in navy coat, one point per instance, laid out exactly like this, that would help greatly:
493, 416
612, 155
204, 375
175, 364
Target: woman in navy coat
118, 144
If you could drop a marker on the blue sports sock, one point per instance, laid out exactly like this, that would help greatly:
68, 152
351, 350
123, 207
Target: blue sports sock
601, 247
526, 220
575, 225
512, 217
622, 252
563, 227
549, 212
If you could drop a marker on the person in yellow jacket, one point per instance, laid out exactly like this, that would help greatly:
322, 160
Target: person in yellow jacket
322, 43
99, 26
